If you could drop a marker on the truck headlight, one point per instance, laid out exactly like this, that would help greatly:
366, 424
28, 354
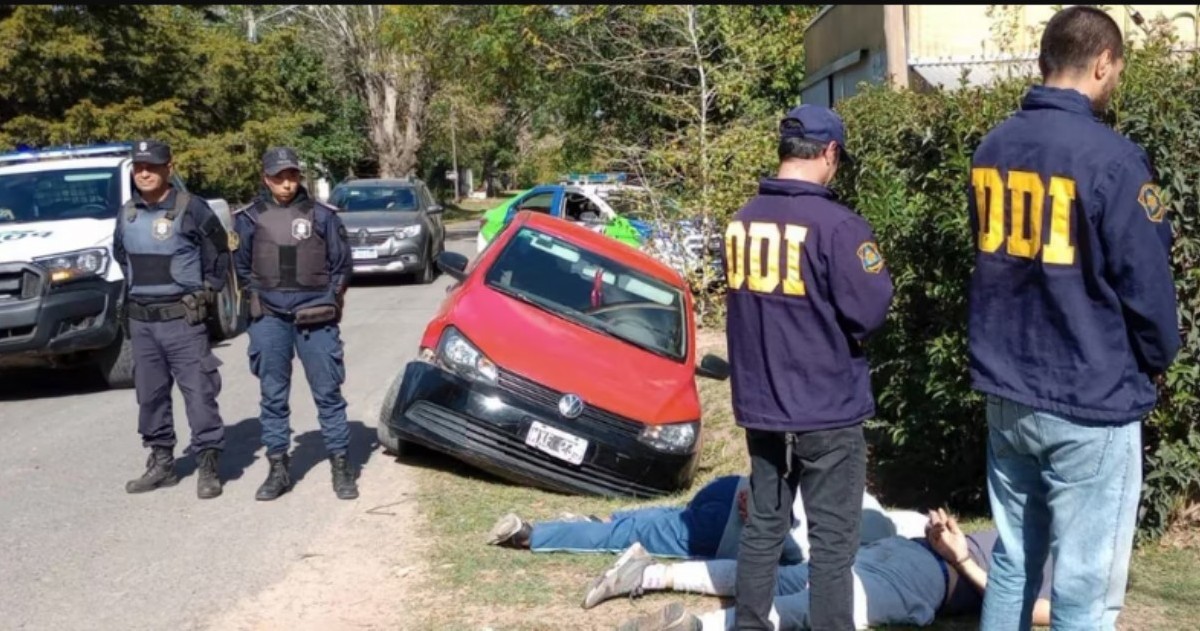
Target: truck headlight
676, 438
408, 232
71, 266
459, 355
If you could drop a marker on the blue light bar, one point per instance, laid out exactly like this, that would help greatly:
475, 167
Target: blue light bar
67, 151
593, 178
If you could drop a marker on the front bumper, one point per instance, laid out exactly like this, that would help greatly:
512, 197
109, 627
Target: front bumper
486, 426
392, 257
38, 321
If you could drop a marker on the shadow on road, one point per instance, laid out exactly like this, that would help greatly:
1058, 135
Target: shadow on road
310, 449
243, 440
418, 456
243, 447
38, 383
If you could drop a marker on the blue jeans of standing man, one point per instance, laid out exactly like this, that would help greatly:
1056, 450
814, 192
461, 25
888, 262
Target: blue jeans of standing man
1064, 486
274, 342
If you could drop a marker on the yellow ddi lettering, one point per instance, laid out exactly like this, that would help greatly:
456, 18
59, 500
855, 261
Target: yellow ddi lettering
754, 255
1026, 197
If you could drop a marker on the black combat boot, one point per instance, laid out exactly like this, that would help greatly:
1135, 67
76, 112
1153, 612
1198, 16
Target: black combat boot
208, 485
278, 481
343, 477
160, 472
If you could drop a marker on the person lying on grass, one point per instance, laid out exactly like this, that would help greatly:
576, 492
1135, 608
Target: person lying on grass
897, 580
708, 527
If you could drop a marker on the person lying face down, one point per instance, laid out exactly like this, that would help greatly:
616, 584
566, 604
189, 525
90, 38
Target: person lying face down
709, 526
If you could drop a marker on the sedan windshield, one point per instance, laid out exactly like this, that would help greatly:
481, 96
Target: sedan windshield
59, 195
592, 291
375, 198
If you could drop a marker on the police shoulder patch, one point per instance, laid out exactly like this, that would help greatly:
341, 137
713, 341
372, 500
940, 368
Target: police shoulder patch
1150, 197
872, 260
234, 240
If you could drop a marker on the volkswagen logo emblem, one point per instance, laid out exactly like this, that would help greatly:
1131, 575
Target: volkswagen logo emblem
570, 406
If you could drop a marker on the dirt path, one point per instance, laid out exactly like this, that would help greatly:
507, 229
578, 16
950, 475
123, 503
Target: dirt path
358, 574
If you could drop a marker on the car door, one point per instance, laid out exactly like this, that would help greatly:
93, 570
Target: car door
433, 216
540, 199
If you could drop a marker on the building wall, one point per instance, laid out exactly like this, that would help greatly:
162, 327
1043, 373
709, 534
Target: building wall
942, 33
842, 29
965, 31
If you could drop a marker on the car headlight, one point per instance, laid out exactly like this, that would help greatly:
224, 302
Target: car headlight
408, 232
459, 355
674, 438
70, 266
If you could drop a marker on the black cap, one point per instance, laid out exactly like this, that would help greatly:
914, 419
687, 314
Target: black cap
278, 159
151, 152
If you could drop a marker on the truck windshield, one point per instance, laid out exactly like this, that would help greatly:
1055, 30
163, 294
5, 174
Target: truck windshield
592, 291
59, 195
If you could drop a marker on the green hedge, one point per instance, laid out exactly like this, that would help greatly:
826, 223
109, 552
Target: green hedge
914, 151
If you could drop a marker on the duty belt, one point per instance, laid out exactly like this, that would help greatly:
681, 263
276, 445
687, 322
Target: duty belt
156, 313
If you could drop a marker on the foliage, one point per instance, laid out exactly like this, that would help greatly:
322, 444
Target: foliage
914, 153
83, 74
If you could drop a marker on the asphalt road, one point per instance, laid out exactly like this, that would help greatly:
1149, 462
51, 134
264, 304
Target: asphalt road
77, 552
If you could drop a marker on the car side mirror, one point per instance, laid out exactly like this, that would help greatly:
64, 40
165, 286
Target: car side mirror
453, 264
436, 209
713, 367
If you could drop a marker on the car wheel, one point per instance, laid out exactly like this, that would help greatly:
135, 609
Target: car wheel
388, 439
228, 321
116, 363
427, 275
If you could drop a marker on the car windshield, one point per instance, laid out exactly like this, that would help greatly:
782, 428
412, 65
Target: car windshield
593, 291
375, 198
59, 195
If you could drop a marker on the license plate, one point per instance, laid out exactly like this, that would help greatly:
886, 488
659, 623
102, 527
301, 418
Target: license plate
556, 442
364, 253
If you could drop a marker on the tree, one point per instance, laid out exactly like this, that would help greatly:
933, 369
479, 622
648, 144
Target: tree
389, 57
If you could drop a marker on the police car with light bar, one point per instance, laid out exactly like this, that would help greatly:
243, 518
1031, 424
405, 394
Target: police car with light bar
60, 290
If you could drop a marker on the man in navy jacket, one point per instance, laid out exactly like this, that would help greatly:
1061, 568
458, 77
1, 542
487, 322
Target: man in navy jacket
807, 286
1072, 319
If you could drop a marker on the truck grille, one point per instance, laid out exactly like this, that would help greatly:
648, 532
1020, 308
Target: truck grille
19, 283
361, 238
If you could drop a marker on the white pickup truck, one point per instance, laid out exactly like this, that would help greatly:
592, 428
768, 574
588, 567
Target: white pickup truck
60, 290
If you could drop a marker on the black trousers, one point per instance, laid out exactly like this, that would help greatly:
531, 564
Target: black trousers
175, 352
829, 467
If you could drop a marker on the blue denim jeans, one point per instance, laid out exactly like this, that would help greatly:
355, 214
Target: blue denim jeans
1065, 487
273, 344
693, 531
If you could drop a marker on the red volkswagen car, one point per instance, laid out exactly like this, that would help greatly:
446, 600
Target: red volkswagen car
561, 359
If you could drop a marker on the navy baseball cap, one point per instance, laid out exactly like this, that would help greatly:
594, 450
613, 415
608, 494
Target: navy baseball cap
816, 123
279, 159
151, 152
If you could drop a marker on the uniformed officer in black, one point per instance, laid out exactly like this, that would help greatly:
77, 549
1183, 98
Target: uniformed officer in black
294, 259
174, 254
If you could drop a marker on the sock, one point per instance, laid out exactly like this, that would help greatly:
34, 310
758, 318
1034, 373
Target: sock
718, 620
656, 577
714, 578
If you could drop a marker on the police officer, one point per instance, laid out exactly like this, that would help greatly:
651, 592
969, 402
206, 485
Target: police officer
294, 259
174, 254
807, 286
1072, 318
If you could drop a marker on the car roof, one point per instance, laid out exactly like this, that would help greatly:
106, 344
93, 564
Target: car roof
601, 244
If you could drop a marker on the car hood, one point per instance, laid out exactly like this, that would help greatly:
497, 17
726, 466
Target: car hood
24, 241
604, 371
378, 219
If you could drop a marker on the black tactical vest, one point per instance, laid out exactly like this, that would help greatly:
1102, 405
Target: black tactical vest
161, 261
288, 254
